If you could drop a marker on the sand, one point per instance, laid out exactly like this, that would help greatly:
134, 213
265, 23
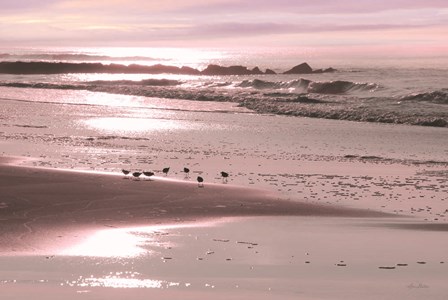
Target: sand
313, 209
36, 199
98, 235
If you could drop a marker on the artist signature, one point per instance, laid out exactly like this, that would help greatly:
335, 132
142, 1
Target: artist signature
418, 286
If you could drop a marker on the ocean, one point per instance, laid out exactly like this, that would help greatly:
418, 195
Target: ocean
371, 135
401, 92
125, 119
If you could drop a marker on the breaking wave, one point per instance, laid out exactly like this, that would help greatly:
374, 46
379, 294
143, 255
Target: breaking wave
341, 87
439, 97
91, 84
144, 82
301, 84
308, 86
341, 100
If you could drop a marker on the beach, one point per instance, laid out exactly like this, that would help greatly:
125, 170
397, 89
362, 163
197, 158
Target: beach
242, 150
336, 222
328, 184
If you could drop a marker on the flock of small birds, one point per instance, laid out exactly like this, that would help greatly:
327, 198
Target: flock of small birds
148, 174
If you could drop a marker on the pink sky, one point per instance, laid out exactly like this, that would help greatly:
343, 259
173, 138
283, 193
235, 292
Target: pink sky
419, 26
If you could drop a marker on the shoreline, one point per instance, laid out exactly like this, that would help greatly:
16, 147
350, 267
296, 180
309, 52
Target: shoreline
46, 200
75, 234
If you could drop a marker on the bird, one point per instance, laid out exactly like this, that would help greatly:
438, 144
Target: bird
187, 172
148, 173
125, 172
136, 174
224, 175
200, 181
166, 170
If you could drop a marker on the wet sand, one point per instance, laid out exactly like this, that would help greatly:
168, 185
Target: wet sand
79, 235
38, 200
313, 209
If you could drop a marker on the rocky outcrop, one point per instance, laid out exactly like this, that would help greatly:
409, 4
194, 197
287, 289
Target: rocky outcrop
39, 67
328, 70
232, 70
303, 68
256, 71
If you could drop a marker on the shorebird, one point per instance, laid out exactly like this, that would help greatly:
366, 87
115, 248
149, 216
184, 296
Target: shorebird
136, 174
148, 174
125, 172
200, 181
187, 172
224, 175
165, 171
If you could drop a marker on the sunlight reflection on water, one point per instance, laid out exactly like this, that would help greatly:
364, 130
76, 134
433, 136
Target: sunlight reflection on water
124, 242
110, 243
87, 77
122, 280
111, 125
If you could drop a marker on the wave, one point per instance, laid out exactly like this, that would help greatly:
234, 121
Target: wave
396, 160
301, 84
438, 97
144, 82
89, 84
43, 85
308, 86
340, 87
117, 137
329, 106
176, 109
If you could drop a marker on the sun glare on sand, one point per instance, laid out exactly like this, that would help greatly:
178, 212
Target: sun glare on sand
123, 242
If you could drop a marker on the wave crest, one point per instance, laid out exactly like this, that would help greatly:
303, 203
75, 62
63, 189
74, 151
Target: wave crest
307, 86
145, 82
340, 87
439, 97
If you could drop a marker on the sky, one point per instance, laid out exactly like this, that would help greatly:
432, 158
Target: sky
401, 27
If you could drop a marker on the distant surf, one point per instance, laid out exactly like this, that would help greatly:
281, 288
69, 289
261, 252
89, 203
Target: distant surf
266, 85
308, 86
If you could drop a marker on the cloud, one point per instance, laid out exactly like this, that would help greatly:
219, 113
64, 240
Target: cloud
202, 21
25, 5
315, 6
255, 29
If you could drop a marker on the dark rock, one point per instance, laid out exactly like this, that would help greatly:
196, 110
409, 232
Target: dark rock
256, 71
212, 70
238, 70
329, 70
189, 71
232, 70
64, 67
303, 68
